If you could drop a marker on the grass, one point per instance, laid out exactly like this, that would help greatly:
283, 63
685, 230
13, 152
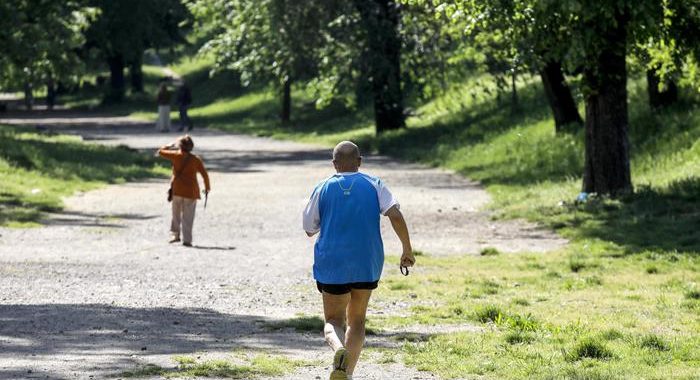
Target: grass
39, 169
237, 367
624, 323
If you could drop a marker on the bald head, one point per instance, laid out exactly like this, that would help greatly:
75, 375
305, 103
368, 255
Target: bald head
346, 157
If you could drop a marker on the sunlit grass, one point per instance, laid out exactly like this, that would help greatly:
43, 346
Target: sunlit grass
545, 321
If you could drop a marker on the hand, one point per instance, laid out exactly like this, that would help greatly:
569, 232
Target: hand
407, 258
206, 192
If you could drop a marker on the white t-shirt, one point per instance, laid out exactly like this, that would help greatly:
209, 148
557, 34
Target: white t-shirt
311, 216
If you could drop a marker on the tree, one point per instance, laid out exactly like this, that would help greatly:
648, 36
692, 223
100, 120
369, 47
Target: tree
518, 37
664, 53
268, 41
125, 29
40, 42
380, 19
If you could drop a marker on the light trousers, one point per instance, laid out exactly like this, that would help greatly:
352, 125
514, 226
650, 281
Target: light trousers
183, 217
163, 123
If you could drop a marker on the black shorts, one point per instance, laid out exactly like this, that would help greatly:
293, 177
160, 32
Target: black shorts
338, 289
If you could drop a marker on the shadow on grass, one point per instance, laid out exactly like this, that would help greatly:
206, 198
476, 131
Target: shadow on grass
664, 221
70, 160
42, 169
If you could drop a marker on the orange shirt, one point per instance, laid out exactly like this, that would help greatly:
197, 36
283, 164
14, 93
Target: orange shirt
186, 185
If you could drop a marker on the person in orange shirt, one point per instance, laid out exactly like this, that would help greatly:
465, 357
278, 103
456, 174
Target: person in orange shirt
185, 187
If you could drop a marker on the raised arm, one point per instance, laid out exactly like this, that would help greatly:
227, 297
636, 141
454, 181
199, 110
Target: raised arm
398, 223
167, 151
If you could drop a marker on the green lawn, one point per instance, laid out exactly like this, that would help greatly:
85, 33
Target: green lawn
39, 169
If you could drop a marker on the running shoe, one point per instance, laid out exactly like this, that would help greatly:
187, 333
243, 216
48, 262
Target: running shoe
340, 365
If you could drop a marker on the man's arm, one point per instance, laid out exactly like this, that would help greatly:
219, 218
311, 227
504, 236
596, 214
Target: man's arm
398, 223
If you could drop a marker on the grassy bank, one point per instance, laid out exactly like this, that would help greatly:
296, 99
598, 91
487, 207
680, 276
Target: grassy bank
39, 169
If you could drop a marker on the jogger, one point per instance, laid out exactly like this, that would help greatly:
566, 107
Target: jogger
349, 252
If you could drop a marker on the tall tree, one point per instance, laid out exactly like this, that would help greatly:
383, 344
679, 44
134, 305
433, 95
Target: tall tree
519, 36
125, 28
267, 41
607, 165
39, 42
380, 19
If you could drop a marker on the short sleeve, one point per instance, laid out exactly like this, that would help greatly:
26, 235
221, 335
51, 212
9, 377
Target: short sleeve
312, 215
386, 198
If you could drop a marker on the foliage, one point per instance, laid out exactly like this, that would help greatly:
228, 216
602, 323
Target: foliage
40, 41
268, 41
128, 27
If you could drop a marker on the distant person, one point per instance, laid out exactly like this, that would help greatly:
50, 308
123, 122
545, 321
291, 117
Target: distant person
184, 186
183, 100
163, 99
349, 253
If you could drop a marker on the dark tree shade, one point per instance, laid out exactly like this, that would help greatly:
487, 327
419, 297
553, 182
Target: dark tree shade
380, 19
559, 96
117, 84
659, 98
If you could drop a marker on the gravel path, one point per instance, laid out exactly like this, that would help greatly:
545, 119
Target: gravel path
98, 290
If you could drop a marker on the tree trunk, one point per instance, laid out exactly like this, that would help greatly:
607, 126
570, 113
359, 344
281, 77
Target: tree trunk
559, 96
136, 74
116, 78
513, 91
28, 95
660, 98
50, 93
607, 166
286, 101
381, 21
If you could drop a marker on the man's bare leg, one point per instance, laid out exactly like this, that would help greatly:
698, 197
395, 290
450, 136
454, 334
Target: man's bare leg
334, 307
355, 334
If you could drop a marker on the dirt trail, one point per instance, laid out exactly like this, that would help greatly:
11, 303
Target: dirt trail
98, 291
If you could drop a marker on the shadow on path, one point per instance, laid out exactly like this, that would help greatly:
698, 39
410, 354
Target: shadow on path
92, 330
